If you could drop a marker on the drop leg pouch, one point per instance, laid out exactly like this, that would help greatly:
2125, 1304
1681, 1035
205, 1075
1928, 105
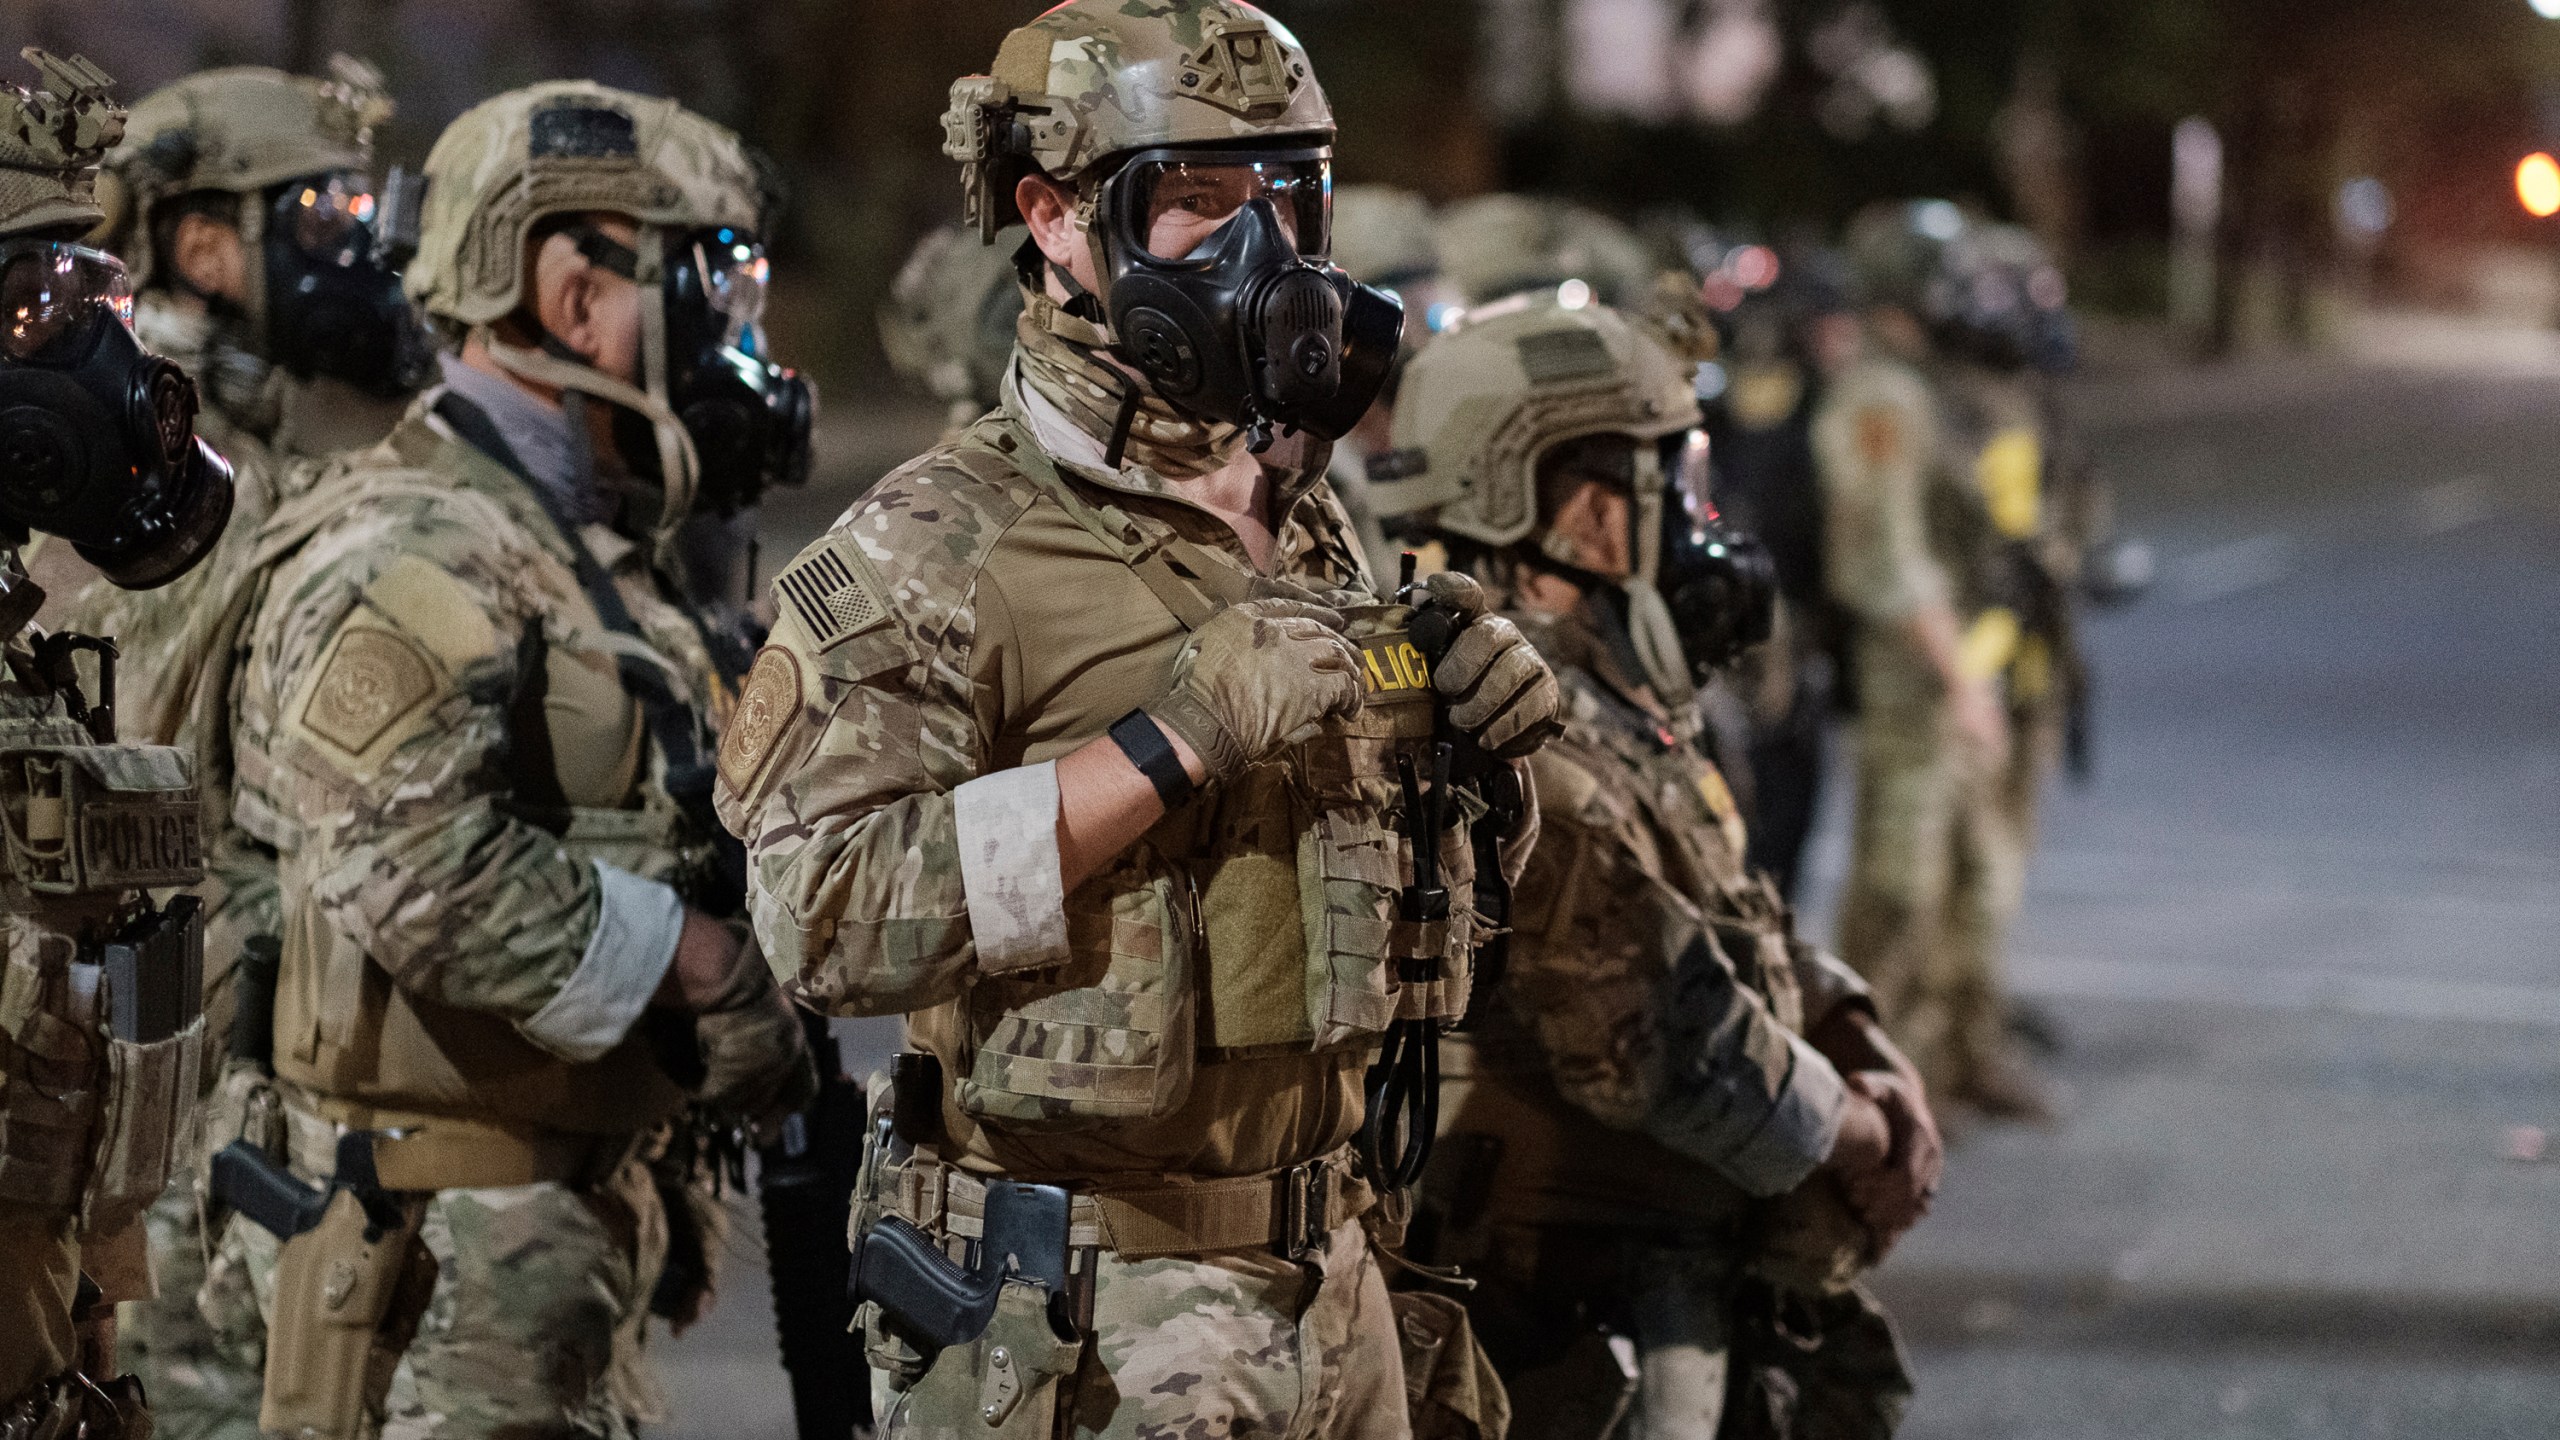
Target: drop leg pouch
348, 1299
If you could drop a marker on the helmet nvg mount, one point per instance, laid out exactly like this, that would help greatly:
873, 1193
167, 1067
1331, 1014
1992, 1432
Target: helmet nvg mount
1199, 147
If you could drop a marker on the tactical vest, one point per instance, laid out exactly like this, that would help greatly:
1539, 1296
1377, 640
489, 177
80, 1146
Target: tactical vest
1542, 1159
1292, 939
372, 1055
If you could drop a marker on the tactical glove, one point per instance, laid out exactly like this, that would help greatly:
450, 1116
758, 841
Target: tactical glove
755, 1057
1259, 675
1499, 689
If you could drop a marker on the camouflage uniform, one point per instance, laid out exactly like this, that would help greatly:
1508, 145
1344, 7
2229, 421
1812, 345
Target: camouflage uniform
1181, 1041
1938, 858
846, 774
243, 130
1651, 981
446, 733
93, 1120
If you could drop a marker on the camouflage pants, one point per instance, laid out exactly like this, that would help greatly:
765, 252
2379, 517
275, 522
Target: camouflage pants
1241, 1343
39, 1270
534, 1324
1937, 873
203, 1380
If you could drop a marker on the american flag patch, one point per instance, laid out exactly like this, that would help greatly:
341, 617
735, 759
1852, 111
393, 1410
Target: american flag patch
827, 593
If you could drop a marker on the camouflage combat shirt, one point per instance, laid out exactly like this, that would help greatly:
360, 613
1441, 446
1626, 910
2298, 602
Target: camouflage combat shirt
484, 870
959, 625
1652, 982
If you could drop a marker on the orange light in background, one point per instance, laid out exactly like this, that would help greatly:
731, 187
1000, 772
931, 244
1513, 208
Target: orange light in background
2538, 185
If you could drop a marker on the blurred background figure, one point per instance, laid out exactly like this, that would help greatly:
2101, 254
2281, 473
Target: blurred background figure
1944, 545
1386, 237
948, 326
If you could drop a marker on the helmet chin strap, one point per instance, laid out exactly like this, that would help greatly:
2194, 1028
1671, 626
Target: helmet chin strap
556, 365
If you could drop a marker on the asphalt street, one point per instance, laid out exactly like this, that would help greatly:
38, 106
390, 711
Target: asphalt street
2298, 939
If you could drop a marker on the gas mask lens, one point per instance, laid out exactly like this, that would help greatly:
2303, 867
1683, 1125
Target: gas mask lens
329, 220
749, 418
734, 275
333, 307
51, 294
1181, 203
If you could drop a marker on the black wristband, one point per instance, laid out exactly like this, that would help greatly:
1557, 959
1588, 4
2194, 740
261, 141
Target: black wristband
1144, 742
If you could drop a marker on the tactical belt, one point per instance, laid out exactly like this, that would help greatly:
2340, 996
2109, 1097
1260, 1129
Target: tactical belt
1289, 1211
437, 1152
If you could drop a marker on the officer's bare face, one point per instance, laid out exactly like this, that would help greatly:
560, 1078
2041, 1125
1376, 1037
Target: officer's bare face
1586, 489
588, 307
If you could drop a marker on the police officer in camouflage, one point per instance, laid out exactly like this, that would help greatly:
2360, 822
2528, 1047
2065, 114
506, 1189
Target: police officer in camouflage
1944, 546
101, 1035
475, 721
1758, 1142
1078, 742
948, 324
244, 209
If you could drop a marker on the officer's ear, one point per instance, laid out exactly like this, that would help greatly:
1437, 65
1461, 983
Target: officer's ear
1049, 208
208, 257
587, 307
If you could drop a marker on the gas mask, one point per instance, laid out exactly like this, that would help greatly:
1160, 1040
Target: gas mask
749, 418
334, 307
1721, 585
97, 435
1217, 290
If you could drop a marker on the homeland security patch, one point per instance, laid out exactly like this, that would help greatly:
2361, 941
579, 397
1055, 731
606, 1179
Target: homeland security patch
373, 678
765, 706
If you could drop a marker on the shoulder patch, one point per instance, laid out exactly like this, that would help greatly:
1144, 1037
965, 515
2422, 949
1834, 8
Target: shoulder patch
373, 677
831, 593
765, 707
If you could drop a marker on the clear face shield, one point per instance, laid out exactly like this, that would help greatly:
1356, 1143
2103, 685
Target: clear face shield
750, 419
52, 294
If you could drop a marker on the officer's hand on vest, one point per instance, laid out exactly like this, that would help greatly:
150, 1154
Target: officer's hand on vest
1257, 676
1500, 691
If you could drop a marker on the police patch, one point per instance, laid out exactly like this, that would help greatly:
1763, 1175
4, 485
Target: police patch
372, 679
765, 706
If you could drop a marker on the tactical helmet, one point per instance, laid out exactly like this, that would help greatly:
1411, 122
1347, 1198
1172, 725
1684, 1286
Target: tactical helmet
1383, 236
49, 150
1487, 399
1498, 245
239, 131
1093, 79
948, 325
560, 148
1986, 293
99, 433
